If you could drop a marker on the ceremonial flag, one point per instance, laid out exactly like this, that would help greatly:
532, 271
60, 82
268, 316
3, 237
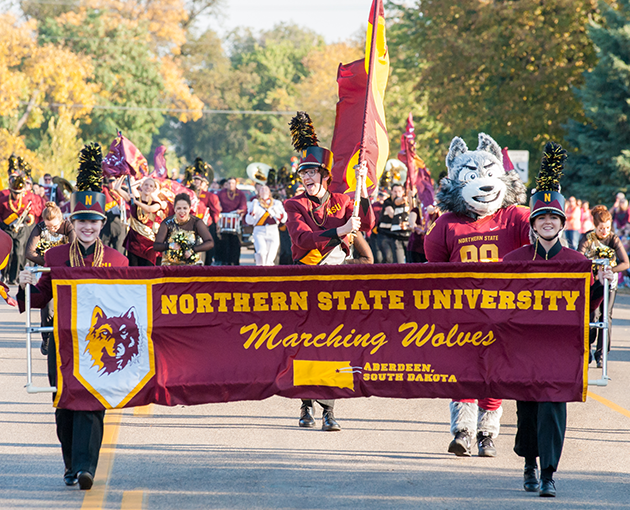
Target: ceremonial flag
124, 158
360, 129
417, 173
160, 171
194, 335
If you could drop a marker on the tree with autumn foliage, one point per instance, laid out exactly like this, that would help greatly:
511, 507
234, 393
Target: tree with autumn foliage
504, 67
35, 76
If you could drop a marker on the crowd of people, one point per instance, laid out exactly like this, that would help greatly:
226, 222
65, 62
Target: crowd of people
153, 221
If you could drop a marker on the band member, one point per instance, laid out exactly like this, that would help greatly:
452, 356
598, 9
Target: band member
482, 223
265, 213
182, 236
320, 224
232, 200
80, 432
115, 230
16, 216
541, 426
52, 231
147, 212
203, 173
601, 243
52, 191
6, 247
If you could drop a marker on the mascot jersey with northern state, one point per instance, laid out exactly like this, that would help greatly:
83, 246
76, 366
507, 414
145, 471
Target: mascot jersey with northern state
483, 222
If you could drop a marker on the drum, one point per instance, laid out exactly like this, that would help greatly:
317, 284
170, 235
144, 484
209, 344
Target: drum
230, 223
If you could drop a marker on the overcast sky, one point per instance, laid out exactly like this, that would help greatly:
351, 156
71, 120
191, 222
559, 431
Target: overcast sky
336, 20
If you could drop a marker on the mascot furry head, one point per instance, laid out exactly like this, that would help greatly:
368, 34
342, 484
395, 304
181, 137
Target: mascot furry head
477, 184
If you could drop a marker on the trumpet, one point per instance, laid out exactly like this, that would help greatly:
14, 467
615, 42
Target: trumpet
19, 223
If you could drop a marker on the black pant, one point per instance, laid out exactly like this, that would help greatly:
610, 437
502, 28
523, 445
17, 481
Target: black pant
414, 257
596, 334
375, 245
17, 257
47, 315
210, 254
540, 432
394, 249
114, 233
136, 261
328, 405
80, 432
230, 249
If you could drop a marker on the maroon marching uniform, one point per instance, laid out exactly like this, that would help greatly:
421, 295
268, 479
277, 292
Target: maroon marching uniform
313, 226
455, 238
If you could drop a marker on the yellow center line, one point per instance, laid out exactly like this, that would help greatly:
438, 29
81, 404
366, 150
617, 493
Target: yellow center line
610, 404
132, 500
94, 499
143, 410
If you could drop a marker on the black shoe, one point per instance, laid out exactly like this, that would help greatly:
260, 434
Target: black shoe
460, 445
306, 417
44, 348
329, 424
547, 488
530, 478
85, 480
599, 363
70, 478
485, 445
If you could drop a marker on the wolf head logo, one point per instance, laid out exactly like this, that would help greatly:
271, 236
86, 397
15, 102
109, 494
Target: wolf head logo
477, 185
112, 342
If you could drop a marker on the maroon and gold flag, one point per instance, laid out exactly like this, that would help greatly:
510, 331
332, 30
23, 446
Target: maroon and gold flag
193, 335
418, 174
124, 158
360, 129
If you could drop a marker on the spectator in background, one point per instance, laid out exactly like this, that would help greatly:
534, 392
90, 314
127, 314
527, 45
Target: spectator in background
573, 223
620, 216
586, 218
394, 224
618, 197
375, 239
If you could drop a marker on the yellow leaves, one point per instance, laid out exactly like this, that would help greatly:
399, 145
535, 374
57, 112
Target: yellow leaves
179, 95
40, 74
317, 93
164, 18
9, 144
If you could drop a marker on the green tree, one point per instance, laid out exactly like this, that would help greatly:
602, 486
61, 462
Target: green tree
126, 70
254, 72
601, 165
505, 67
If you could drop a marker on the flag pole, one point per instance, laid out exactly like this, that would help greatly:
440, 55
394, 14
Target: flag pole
359, 186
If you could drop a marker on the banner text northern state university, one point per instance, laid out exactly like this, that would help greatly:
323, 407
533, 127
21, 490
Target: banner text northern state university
197, 335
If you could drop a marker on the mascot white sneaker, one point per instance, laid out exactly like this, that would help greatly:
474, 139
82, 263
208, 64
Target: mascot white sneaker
482, 223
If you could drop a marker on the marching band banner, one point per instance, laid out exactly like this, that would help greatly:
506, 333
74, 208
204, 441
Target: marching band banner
193, 335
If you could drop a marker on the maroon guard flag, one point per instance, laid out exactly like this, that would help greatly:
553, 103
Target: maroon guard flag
418, 174
124, 158
192, 335
360, 129
160, 171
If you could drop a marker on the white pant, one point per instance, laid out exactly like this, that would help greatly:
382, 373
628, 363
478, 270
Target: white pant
266, 243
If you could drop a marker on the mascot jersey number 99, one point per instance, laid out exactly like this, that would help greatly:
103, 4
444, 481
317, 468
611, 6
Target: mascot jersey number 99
483, 221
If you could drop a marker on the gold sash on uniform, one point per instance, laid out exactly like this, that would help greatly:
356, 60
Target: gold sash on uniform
142, 229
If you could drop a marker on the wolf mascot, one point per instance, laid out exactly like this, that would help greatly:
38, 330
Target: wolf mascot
482, 223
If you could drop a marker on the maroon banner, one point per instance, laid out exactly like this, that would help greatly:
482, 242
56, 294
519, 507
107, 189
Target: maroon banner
194, 335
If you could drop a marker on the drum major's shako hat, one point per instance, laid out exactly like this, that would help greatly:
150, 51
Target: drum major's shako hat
88, 202
547, 198
306, 143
